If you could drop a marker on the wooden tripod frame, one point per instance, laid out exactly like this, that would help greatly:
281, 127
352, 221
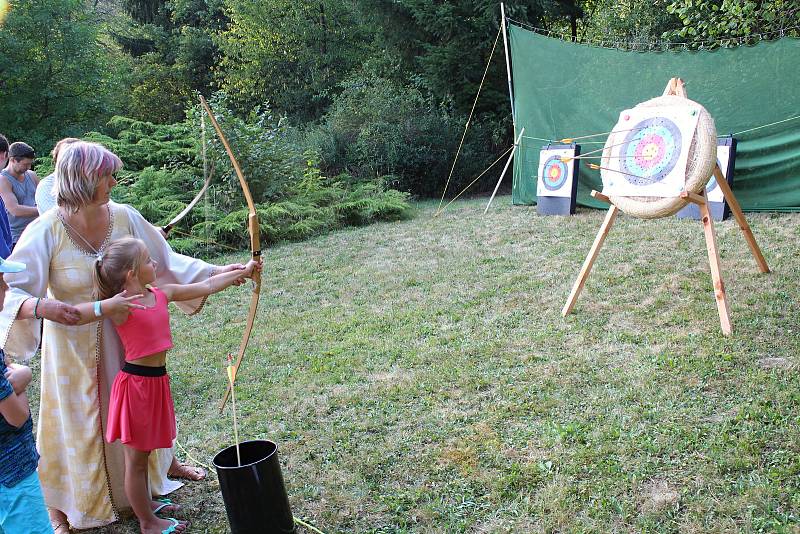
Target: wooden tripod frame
676, 87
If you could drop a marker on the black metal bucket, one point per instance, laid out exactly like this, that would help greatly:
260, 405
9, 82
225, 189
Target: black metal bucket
254, 494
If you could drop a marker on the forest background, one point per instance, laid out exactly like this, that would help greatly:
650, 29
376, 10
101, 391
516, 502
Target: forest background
339, 110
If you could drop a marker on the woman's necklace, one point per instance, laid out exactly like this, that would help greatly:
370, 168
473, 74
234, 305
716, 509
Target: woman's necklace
74, 232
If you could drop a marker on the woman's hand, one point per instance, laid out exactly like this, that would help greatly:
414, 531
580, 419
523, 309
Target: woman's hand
19, 376
118, 307
232, 267
251, 266
58, 312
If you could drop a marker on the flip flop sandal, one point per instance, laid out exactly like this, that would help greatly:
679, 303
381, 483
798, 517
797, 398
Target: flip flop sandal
171, 528
165, 503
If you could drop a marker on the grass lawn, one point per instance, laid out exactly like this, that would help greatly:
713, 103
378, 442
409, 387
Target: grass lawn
418, 377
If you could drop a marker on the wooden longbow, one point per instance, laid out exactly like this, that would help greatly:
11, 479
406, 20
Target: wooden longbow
255, 249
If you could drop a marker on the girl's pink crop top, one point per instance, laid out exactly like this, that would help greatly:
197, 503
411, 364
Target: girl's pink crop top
147, 331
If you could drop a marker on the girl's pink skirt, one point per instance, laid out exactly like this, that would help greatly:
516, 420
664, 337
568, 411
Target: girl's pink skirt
141, 413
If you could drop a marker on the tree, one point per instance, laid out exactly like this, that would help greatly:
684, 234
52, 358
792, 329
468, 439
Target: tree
444, 46
290, 53
634, 24
56, 78
711, 23
173, 53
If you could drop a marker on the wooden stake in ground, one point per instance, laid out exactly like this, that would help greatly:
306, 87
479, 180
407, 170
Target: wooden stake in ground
720, 296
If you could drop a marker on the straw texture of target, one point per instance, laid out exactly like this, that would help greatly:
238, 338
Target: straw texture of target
556, 186
4, 8
726, 158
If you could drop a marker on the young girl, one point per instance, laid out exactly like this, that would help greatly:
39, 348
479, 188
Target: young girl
141, 412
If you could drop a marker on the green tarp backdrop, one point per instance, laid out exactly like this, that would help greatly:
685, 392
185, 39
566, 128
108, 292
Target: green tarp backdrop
563, 89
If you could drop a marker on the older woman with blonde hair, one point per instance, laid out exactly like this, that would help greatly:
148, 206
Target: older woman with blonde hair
81, 475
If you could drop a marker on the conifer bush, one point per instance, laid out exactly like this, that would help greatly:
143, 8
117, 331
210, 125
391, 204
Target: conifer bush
294, 200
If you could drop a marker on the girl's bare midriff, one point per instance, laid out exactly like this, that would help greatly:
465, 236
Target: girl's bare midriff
158, 359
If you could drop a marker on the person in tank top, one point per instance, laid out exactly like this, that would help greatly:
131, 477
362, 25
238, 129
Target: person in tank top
141, 413
18, 188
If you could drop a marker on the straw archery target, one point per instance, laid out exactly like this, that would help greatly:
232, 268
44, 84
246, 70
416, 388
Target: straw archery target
556, 175
647, 151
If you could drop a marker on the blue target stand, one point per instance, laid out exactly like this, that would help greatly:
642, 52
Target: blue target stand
556, 185
726, 159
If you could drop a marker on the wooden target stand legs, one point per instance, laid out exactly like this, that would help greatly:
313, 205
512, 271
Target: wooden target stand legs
588, 263
711, 245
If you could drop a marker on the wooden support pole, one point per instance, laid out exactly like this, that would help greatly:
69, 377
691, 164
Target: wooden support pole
716, 270
600, 196
503, 173
739, 215
504, 28
676, 87
611, 216
693, 197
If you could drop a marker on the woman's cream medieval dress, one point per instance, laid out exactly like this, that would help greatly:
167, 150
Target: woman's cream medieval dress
82, 475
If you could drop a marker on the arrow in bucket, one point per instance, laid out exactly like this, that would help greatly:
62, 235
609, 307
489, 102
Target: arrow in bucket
231, 368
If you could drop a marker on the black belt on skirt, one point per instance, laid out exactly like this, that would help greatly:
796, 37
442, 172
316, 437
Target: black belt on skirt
144, 370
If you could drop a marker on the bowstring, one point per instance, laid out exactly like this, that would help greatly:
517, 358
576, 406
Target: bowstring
205, 170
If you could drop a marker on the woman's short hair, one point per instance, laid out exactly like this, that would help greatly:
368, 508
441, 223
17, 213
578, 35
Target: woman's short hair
79, 169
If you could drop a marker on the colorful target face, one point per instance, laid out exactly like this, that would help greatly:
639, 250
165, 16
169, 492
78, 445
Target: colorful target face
650, 151
555, 174
646, 153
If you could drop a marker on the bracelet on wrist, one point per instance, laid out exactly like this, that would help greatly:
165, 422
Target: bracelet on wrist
36, 308
98, 311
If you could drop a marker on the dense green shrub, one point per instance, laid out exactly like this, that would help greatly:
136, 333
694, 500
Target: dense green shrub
377, 127
164, 170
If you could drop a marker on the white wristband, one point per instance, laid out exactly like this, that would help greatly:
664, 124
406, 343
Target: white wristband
97, 311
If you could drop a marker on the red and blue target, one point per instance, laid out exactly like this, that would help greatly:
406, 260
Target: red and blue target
554, 173
650, 151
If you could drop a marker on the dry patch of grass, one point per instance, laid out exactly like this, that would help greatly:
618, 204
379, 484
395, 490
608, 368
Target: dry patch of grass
658, 496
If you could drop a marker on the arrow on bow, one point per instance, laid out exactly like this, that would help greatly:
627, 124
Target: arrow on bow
255, 248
